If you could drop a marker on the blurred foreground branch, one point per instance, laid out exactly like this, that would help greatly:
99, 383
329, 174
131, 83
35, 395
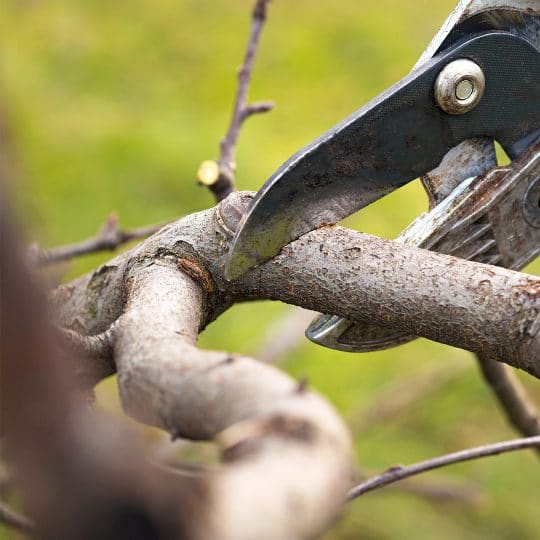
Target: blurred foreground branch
16, 521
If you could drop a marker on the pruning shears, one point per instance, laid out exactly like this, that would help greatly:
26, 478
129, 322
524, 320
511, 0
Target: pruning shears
478, 82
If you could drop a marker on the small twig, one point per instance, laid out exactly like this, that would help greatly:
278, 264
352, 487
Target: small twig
109, 238
12, 519
98, 346
218, 175
512, 397
435, 491
395, 474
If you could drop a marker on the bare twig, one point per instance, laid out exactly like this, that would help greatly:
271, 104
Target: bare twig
395, 474
98, 346
109, 238
512, 397
219, 176
17, 521
434, 491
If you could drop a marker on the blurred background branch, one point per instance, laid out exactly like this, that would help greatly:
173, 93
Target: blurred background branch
512, 397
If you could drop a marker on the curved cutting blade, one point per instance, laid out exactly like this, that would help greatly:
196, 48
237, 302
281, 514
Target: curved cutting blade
397, 137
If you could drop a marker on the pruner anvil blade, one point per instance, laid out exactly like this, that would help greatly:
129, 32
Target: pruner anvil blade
401, 135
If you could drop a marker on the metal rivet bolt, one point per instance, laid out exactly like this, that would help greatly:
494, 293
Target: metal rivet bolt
460, 86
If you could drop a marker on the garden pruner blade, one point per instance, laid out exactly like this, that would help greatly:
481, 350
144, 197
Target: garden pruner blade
402, 134
477, 211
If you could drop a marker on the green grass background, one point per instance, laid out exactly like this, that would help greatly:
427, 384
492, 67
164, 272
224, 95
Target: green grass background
112, 105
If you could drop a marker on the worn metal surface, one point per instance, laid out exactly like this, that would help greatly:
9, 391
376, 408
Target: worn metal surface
475, 157
397, 137
475, 15
469, 159
492, 219
460, 86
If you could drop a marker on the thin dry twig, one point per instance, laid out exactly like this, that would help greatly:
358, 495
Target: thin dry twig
434, 491
512, 396
218, 175
10, 518
109, 238
399, 472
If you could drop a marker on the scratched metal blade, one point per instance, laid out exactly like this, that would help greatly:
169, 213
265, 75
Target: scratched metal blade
397, 137
469, 159
475, 157
492, 219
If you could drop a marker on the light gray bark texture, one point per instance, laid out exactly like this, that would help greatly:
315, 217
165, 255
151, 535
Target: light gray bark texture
287, 454
488, 310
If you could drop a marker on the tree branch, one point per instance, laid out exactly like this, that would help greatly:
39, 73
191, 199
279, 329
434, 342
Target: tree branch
98, 347
266, 424
435, 491
219, 176
109, 238
487, 310
17, 521
512, 397
400, 472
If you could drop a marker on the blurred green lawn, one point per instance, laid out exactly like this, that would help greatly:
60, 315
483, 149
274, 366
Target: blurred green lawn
111, 106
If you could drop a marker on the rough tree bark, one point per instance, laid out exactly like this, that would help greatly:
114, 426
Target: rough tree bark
491, 311
286, 453
149, 304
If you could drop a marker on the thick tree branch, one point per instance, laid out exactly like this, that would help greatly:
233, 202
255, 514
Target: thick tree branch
109, 238
267, 425
400, 472
165, 290
219, 176
487, 310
